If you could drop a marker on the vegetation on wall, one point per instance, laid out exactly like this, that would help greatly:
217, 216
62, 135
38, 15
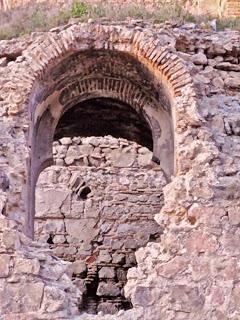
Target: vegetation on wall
42, 17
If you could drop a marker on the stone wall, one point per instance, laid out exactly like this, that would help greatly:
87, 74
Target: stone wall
33, 283
201, 214
106, 192
193, 273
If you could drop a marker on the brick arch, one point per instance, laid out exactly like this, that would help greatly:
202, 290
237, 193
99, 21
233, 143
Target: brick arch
132, 95
167, 71
142, 45
91, 88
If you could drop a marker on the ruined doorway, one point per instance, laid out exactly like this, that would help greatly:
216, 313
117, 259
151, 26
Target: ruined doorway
102, 68
95, 207
87, 76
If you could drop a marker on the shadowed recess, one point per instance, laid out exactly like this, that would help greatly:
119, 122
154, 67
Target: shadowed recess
104, 116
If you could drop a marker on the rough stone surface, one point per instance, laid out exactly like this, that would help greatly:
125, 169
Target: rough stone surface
33, 284
97, 228
193, 272
199, 59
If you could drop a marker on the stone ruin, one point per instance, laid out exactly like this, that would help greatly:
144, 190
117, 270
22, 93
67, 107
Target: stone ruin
120, 158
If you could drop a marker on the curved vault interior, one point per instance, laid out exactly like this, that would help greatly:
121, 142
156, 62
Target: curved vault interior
105, 116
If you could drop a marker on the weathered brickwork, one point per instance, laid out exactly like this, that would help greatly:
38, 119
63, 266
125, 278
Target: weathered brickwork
233, 8
191, 77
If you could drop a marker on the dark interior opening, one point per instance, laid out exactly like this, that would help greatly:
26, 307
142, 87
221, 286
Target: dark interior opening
83, 193
105, 116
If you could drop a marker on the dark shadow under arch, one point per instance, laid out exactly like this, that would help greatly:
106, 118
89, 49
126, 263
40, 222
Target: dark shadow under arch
105, 116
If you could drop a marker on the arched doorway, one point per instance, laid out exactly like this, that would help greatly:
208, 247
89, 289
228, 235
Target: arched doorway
95, 76
115, 66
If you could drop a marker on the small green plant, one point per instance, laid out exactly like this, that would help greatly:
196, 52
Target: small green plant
79, 9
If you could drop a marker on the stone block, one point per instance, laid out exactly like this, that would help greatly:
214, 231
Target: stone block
77, 209
66, 141
230, 243
53, 273
86, 149
234, 215
199, 59
53, 226
144, 160
4, 265
131, 244
60, 151
76, 140
108, 289
186, 298
200, 268
54, 300
217, 123
122, 159
108, 308
80, 284
104, 257
130, 260
118, 258
10, 239
59, 239
3, 221
218, 82
72, 154
173, 267
127, 228
121, 274
3, 62
79, 268
144, 150
106, 273
25, 297
83, 230
46, 207
28, 266
199, 241
233, 83
142, 296
59, 162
